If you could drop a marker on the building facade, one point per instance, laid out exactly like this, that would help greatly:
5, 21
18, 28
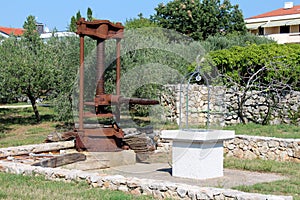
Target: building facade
282, 25
44, 33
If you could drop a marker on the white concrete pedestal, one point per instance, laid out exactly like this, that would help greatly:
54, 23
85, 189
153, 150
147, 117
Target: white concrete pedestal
197, 154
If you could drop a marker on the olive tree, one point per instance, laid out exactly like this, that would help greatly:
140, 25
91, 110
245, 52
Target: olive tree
27, 66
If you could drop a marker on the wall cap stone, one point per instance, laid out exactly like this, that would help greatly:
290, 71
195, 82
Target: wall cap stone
266, 138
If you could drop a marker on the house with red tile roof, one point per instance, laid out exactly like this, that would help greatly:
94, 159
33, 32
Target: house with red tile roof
282, 25
45, 34
6, 32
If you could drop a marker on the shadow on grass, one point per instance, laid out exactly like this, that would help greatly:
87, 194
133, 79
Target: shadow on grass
65, 127
22, 116
3, 128
27, 120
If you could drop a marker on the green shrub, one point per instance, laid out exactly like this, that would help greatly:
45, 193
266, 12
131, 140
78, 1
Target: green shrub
281, 60
218, 42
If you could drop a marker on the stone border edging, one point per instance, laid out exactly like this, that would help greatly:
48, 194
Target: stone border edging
159, 189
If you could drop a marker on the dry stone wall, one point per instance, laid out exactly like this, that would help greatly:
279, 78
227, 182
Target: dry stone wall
267, 148
135, 186
260, 107
253, 147
225, 104
195, 105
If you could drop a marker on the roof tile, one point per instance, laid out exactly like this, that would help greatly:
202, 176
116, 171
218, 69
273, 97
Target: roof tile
279, 12
14, 31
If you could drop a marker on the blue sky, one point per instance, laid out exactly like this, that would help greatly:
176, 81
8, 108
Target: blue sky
57, 13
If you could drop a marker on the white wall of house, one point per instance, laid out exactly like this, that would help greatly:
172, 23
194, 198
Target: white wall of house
283, 29
56, 34
3, 35
285, 38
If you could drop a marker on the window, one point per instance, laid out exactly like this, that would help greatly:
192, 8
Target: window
284, 29
260, 31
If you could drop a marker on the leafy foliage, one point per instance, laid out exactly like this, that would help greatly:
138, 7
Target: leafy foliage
65, 62
200, 19
139, 22
33, 68
268, 70
238, 61
219, 42
151, 57
66, 65
26, 66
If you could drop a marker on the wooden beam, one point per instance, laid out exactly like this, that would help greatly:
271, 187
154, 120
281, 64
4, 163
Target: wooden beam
61, 160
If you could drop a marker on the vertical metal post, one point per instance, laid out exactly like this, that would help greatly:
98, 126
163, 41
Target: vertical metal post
118, 77
100, 66
81, 83
118, 66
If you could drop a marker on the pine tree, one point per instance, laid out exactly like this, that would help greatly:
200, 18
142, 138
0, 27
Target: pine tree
237, 21
89, 14
31, 35
74, 19
78, 15
72, 26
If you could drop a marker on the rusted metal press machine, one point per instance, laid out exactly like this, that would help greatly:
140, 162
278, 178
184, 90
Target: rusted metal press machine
104, 137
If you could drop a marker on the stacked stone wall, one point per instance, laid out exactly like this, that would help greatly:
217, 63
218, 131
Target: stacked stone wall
266, 148
253, 147
224, 106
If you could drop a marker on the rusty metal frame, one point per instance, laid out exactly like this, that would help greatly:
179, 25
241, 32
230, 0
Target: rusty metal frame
108, 138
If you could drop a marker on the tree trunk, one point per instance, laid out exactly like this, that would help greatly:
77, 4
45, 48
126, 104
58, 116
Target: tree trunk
241, 101
34, 107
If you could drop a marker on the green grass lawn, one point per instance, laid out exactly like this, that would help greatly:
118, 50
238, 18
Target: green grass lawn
292, 170
280, 131
18, 127
28, 187
289, 187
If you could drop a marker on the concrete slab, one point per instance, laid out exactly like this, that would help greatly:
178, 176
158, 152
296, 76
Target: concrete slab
162, 171
159, 167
